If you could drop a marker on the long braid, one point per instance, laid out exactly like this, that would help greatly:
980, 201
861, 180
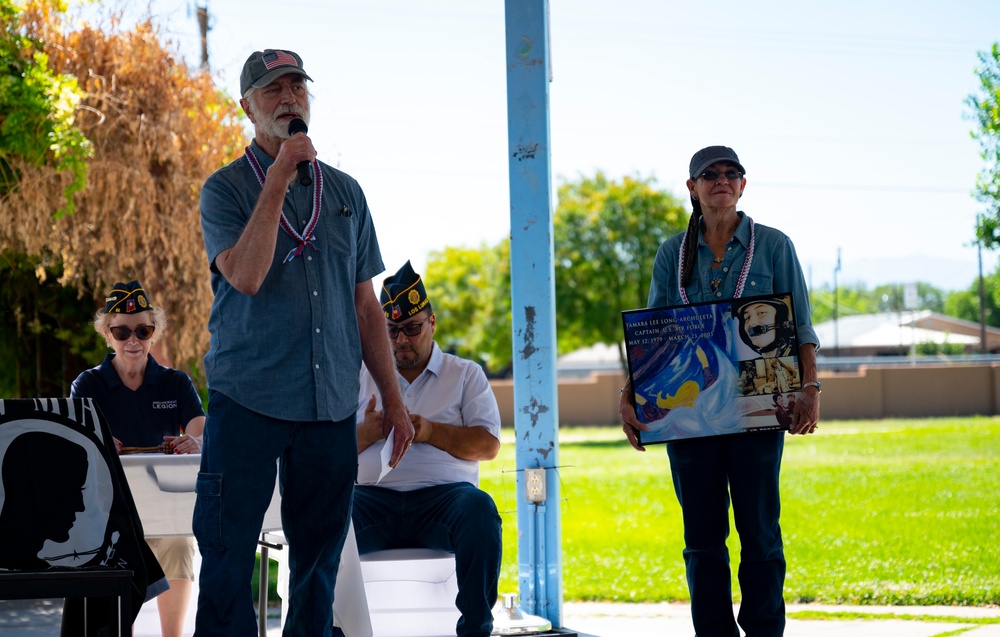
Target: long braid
691, 243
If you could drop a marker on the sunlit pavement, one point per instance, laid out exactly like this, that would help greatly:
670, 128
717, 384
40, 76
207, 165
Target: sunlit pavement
40, 618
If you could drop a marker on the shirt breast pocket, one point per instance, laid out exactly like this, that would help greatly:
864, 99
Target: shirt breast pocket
758, 284
338, 237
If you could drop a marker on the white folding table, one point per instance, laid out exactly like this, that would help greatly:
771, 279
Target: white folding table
163, 489
162, 486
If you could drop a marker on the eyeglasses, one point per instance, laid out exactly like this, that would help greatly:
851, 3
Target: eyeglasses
122, 333
410, 329
712, 175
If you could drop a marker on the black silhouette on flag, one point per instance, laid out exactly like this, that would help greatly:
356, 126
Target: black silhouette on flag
65, 503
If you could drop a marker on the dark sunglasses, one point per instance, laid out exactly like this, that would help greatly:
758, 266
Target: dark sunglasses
122, 333
410, 329
712, 175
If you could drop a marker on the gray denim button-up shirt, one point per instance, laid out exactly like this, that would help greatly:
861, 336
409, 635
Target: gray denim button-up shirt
291, 351
775, 269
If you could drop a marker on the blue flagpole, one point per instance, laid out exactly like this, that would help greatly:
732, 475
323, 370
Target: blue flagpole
536, 413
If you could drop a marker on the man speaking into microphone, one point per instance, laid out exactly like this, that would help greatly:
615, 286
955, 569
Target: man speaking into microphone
293, 317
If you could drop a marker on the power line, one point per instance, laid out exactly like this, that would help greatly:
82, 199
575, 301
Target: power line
816, 43
944, 190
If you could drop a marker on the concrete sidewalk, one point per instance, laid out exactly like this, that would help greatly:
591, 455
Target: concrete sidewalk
40, 618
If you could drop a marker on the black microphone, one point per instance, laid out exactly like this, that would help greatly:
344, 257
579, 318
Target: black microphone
299, 126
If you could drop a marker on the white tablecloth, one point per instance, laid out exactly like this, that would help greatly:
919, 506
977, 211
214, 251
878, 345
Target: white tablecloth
162, 486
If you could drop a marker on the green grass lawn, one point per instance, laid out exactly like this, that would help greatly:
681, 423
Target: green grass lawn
874, 512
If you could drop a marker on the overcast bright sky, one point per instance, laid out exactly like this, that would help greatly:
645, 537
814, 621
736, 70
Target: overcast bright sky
847, 115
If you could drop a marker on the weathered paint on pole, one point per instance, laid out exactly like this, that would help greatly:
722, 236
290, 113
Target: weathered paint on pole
533, 304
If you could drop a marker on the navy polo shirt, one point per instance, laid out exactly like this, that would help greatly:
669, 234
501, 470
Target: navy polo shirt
164, 403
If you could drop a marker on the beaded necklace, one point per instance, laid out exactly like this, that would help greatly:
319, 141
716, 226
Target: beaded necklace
307, 238
718, 282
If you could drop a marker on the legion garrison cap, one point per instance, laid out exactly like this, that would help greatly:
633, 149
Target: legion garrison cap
403, 294
126, 298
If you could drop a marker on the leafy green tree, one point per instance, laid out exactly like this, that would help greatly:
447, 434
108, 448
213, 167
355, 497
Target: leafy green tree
850, 300
940, 349
854, 299
891, 297
469, 290
985, 107
37, 107
157, 131
964, 304
44, 337
606, 236
38, 129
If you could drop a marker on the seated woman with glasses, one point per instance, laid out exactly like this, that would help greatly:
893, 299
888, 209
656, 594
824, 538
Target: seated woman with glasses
147, 405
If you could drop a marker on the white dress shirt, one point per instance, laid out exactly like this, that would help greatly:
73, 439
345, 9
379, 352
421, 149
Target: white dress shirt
451, 390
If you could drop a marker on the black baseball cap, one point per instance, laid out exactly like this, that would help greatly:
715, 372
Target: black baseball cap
708, 156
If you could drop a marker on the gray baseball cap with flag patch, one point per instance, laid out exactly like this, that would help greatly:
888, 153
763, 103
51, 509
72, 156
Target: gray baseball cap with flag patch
264, 67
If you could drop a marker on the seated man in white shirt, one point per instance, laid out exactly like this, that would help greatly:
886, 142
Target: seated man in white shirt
431, 499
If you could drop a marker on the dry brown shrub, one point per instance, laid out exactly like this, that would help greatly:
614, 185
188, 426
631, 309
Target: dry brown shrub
158, 131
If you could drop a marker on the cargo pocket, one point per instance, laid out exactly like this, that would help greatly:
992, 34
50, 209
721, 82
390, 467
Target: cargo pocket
207, 523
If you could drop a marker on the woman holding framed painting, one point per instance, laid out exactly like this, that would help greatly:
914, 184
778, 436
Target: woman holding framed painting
724, 255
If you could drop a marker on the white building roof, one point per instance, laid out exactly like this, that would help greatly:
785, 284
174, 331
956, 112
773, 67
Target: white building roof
893, 330
901, 330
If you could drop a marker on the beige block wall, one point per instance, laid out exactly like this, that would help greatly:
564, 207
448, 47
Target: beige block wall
885, 392
589, 401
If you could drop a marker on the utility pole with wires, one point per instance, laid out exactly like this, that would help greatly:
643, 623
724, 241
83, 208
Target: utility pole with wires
836, 336
982, 291
203, 29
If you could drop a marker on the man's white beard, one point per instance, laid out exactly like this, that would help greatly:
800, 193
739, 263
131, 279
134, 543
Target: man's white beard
269, 124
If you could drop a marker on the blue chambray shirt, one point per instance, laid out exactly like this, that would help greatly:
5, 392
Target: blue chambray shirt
291, 351
775, 268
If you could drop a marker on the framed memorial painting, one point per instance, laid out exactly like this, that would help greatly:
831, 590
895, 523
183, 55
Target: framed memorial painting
710, 369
